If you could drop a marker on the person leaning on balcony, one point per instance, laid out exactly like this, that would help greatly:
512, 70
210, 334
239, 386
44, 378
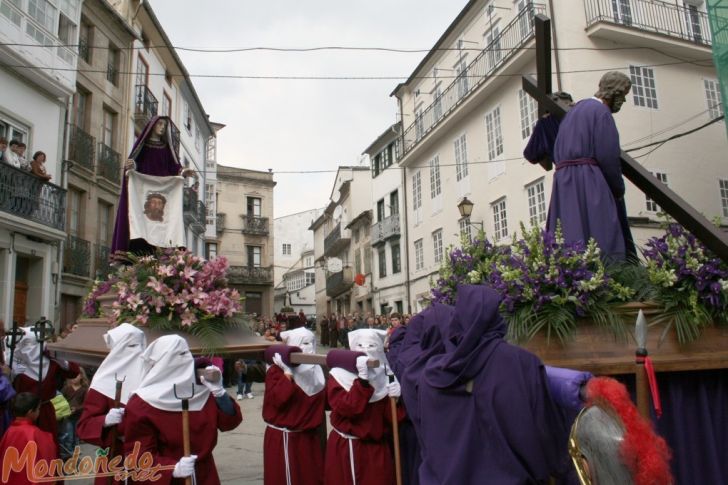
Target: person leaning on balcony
10, 154
37, 166
3, 147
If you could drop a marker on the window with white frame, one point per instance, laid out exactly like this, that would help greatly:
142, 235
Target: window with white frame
494, 134
712, 97
525, 19
724, 196
465, 231
188, 118
310, 278
435, 184
198, 139
11, 13
382, 260
12, 130
693, 17
461, 73
536, 202
493, 47
417, 196
461, 157
437, 245
420, 254
500, 219
286, 249
644, 91
437, 102
44, 13
528, 111
419, 122
650, 204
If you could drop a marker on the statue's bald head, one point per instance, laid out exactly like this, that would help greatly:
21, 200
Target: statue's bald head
613, 89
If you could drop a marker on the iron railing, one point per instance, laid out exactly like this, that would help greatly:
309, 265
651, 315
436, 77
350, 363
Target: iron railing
501, 49
84, 50
109, 162
220, 223
81, 147
146, 105
25, 195
255, 225
194, 211
77, 257
112, 74
385, 229
338, 283
103, 267
250, 275
656, 16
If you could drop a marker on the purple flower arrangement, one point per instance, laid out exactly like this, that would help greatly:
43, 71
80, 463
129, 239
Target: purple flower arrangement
174, 289
690, 282
546, 282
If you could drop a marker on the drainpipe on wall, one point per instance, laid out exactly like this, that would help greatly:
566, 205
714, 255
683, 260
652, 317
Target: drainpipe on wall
404, 212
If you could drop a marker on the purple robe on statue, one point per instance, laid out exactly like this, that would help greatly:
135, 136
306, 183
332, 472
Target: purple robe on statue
486, 412
541, 143
152, 158
588, 190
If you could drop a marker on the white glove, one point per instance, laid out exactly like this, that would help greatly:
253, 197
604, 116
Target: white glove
185, 467
278, 360
63, 363
215, 388
113, 417
393, 389
361, 367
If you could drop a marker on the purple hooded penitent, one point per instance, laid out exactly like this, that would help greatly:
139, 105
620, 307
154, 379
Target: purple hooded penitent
158, 159
486, 414
588, 189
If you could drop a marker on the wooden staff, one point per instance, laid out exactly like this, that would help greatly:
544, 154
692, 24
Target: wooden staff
114, 433
43, 330
186, 425
395, 436
301, 358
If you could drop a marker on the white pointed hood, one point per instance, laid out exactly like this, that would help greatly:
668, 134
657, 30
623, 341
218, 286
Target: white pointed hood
168, 362
126, 343
371, 342
26, 358
309, 377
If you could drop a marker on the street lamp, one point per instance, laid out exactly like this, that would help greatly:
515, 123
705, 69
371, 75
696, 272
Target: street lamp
465, 206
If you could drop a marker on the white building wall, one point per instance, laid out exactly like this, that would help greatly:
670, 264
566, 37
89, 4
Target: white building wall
693, 164
292, 230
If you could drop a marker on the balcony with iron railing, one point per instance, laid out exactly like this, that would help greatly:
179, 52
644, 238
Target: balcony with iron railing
77, 257
109, 164
628, 20
220, 223
250, 275
146, 105
80, 147
84, 51
493, 57
102, 265
112, 74
255, 225
24, 195
336, 240
338, 283
385, 229
194, 211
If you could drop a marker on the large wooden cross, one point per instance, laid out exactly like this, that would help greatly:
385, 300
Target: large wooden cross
674, 205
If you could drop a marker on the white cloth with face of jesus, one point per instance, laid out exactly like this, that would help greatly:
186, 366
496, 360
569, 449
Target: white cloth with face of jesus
155, 209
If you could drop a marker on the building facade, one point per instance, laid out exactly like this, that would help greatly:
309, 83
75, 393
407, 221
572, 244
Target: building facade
245, 209
333, 249
96, 148
212, 231
297, 289
294, 242
466, 118
33, 110
389, 277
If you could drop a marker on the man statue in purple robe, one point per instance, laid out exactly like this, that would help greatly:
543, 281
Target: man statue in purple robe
154, 154
484, 409
588, 190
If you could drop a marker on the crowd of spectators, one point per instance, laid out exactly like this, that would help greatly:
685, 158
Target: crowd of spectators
334, 329
13, 153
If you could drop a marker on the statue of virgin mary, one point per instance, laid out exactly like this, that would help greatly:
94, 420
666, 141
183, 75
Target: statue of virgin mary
153, 153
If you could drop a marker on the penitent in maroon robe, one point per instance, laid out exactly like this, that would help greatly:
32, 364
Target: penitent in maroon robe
160, 433
285, 405
47, 418
90, 427
371, 423
19, 434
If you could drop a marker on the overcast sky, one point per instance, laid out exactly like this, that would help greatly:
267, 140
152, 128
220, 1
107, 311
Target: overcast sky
301, 124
